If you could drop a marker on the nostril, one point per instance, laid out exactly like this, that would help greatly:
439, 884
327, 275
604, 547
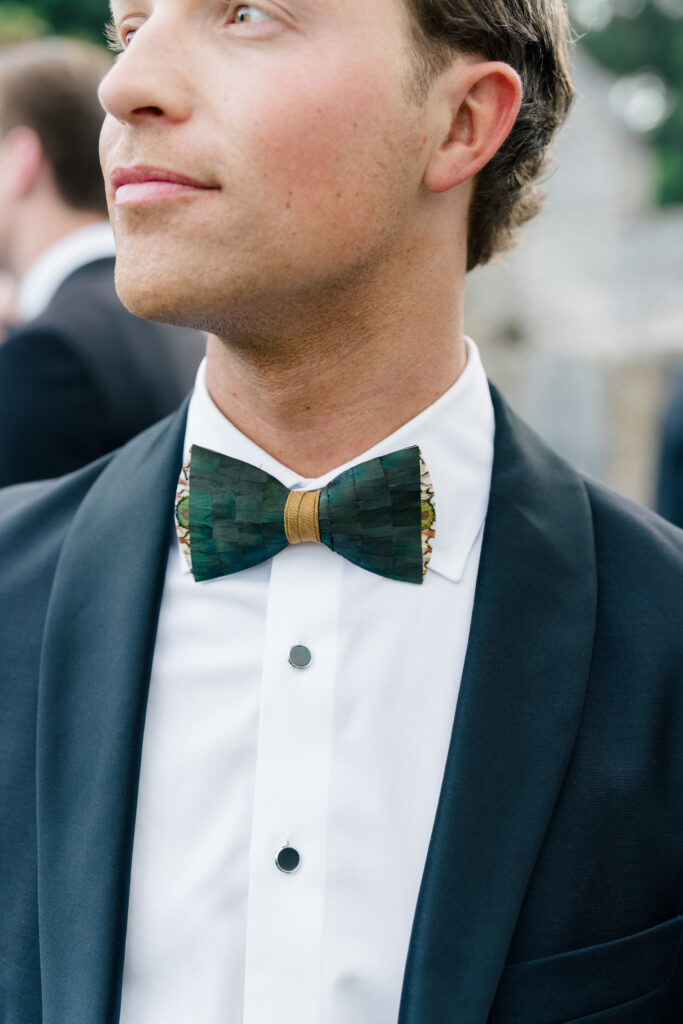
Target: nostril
154, 111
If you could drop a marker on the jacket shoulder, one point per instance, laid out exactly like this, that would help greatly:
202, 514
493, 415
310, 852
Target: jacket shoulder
34, 520
633, 538
639, 558
634, 556
630, 539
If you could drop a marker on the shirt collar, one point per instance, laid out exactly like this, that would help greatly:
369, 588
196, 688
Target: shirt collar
455, 435
51, 268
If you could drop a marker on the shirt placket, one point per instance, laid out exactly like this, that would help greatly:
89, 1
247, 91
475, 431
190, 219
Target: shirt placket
287, 867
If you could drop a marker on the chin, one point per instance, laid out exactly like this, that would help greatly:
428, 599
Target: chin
152, 296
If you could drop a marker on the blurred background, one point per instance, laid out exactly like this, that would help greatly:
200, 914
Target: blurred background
582, 326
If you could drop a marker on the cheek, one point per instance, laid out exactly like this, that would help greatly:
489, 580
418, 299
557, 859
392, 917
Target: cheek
109, 136
342, 147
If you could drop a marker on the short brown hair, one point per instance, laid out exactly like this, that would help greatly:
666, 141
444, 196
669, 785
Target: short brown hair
533, 37
50, 85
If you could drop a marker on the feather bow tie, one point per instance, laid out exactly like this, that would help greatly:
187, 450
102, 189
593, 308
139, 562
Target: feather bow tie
379, 515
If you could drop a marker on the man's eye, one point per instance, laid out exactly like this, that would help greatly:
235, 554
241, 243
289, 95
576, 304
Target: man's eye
126, 35
247, 14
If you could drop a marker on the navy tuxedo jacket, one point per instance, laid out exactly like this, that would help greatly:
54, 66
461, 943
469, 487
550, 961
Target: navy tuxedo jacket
553, 886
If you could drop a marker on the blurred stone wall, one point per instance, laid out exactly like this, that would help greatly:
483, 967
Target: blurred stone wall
582, 326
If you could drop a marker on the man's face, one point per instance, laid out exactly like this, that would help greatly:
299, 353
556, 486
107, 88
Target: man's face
296, 116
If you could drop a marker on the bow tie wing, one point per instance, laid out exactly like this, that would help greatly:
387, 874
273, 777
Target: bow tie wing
371, 514
236, 515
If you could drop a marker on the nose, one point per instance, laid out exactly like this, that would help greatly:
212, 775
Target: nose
149, 80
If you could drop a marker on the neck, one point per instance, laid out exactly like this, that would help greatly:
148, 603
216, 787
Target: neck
319, 385
43, 226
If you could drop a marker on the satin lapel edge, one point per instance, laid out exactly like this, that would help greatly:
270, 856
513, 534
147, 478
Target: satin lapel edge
518, 713
97, 655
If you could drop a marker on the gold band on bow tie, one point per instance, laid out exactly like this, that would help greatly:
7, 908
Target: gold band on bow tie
301, 517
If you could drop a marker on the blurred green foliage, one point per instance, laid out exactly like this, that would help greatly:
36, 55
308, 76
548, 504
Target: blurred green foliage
81, 18
18, 22
652, 39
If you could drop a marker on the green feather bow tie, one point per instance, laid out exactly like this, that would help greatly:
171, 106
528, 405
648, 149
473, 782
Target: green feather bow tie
380, 515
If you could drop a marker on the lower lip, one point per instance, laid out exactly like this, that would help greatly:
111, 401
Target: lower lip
154, 192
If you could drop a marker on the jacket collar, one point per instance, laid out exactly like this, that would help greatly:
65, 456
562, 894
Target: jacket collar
517, 716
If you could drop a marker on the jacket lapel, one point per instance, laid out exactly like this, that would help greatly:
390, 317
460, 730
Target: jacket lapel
97, 655
517, 716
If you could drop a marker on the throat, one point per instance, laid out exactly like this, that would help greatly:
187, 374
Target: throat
318, 409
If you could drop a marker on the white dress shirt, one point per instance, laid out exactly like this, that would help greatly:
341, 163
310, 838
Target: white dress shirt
51, 268
243, 754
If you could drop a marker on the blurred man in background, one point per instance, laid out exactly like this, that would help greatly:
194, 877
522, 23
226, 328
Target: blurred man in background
670, 480
81, 375
7, 301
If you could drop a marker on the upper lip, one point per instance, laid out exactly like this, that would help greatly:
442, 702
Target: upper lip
133, 175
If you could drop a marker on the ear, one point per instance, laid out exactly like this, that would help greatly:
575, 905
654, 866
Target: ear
24, 158
477, 104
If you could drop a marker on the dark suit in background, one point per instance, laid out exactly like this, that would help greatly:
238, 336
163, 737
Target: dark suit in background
670, 482
86, 376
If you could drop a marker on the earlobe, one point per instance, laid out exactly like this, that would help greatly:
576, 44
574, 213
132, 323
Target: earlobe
26, 158
483, 102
